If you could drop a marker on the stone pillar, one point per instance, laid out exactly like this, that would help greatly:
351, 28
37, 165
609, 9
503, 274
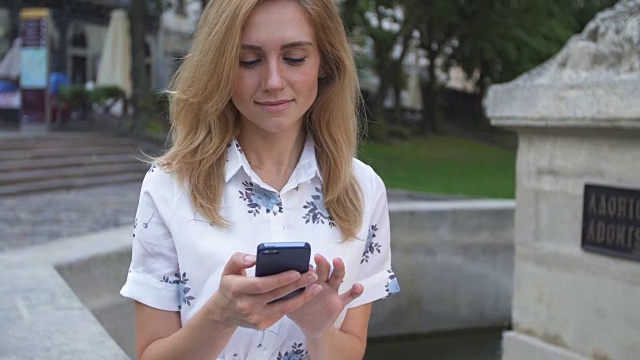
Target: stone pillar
578, 121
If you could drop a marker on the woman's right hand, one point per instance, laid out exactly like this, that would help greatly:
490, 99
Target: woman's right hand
245, 301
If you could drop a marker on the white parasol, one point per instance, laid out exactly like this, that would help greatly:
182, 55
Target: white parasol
115, 61
10, 64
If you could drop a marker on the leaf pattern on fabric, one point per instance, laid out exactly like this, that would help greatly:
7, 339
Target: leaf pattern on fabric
371, 247
297, 352
392, 287
196, 220
146, 224
317, 213
238, 147
183, 290
258, 198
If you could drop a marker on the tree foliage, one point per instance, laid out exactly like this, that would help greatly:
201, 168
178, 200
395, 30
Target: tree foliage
139, 15
504, 38
500, 38
389, 26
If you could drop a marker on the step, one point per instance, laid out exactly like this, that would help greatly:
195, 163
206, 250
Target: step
69, 183
49, 142
24, 176
39, 152
70, 160
48, 163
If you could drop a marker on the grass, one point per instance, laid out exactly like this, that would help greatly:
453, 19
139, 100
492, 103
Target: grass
444, 164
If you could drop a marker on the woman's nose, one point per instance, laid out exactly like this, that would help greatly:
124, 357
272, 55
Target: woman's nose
273, 79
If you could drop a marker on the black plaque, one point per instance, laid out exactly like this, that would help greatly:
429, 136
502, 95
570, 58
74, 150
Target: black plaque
611, 221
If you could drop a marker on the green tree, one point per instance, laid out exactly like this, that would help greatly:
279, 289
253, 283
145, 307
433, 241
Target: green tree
438, 28
141, 15
513, 37
138, 17
500, 38
389, 26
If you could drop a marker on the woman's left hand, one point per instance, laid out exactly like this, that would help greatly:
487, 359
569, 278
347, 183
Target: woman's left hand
317, 316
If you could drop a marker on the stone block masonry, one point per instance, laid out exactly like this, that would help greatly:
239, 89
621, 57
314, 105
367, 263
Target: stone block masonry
578, 123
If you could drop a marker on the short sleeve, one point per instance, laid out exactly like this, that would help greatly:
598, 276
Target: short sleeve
153, 277
375, 273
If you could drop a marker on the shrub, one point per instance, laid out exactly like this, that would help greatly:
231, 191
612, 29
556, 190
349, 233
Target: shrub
75, 95
101, 94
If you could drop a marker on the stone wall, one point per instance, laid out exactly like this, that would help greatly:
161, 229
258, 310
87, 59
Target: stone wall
578, 122
454, 262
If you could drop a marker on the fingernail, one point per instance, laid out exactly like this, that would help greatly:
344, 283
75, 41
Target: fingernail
249, 258
294, 275
315, 289
311, 277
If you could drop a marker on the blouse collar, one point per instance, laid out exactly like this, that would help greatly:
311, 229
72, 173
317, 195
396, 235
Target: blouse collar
306, 169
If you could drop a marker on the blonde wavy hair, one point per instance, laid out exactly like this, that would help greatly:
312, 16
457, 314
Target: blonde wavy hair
204, 120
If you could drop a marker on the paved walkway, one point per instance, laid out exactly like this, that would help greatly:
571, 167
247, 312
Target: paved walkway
38, 218
41, 217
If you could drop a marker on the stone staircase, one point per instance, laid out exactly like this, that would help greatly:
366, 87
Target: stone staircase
59, 161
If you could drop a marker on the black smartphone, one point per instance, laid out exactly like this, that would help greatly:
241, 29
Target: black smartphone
277, 257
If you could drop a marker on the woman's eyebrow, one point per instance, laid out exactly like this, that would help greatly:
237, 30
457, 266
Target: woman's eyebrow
296, 44
290, 45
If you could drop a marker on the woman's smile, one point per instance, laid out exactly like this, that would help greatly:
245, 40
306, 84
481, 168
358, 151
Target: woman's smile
275, 106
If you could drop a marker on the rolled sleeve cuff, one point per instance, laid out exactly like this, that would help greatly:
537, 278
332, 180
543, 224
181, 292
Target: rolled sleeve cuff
151, 292
378, 286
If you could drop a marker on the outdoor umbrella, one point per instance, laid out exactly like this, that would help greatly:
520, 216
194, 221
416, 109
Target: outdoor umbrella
10, 64
115, 61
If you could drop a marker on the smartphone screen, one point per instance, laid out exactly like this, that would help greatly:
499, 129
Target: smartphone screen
274, 258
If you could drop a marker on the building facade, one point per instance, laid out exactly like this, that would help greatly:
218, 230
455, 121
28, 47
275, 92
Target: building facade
78, 30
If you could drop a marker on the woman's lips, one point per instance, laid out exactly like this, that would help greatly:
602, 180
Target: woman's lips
275, 106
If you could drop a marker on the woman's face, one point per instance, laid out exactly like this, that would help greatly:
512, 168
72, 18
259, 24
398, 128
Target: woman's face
279, 66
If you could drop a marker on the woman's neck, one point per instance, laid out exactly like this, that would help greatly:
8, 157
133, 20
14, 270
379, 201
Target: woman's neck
273, 156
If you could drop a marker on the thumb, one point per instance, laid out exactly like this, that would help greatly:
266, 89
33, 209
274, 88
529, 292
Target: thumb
238, 263
352, 294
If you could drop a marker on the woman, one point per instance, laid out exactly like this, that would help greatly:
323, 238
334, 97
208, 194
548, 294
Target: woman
264, 133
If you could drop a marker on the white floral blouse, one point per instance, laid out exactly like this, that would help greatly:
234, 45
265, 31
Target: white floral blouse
178, 256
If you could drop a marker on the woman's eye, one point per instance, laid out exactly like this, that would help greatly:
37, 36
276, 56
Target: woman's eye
249, 63
295, 61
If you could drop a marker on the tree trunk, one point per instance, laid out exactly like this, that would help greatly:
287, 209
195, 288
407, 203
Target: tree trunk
431, 115
483, 122
397, 105
377, 125
141, 97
